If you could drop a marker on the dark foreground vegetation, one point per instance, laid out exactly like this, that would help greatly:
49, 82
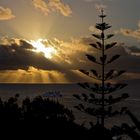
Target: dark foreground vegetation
44, 117
48, 118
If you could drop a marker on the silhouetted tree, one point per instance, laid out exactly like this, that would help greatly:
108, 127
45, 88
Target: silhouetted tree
39, 116
37, 109
132, 131
100, 101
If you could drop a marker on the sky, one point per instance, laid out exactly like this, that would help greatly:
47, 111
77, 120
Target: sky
45, 41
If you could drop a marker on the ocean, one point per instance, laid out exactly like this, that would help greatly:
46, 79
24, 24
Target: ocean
67, 90
33, 90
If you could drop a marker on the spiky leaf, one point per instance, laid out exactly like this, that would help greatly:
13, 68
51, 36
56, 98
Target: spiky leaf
93, 45
81, 106
102, 26
123, 86
91, 58
113, 58
108, 46
76, 96
99, 44
82, 85
107, 27
97, 36
109, 74
85, 97
109, 36
134, 119
94, 72
102, 16
77, 107
99, 26
125, 95
121, 72
84, 71
123, 109
86, 85
92, 95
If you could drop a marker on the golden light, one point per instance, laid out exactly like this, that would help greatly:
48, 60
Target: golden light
33, 75
39, 46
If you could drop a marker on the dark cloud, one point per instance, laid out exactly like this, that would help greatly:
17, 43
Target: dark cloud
134, 50
14, 56
127, 60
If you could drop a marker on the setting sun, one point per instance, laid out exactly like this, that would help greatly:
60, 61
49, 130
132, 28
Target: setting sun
39, 46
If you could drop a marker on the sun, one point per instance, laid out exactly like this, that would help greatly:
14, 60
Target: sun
48, 51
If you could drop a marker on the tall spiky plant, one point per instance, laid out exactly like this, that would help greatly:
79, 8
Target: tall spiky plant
100, 101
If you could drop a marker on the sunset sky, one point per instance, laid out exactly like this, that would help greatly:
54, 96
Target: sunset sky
45, 41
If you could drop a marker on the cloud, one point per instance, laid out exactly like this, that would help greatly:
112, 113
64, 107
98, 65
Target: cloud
41, 5
19, 64
6, 13
57, 5
133, 50
76, 50
130, 32
73, 52
9, 41
52, 6
20, 54
128, 61
17, 58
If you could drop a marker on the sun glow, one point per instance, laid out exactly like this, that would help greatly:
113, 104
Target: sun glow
39, 46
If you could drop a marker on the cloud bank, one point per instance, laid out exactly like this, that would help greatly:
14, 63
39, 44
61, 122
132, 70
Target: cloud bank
18, 58
19, 54
52, 6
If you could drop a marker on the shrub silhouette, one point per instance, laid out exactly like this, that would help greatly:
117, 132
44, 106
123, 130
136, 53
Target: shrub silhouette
37, 109
100, 101
132, 131
42, 116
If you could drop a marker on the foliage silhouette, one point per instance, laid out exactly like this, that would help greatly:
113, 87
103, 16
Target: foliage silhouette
133, 131
38, 115
45, 118
100, 101
37, 109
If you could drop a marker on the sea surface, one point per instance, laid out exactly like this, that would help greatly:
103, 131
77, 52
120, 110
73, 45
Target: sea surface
67, 91
33, 90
